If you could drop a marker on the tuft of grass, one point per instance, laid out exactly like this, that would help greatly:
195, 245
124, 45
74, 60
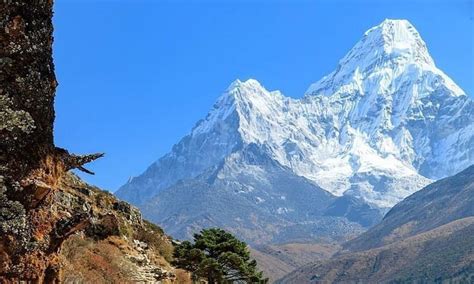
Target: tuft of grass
154, 236
126, 230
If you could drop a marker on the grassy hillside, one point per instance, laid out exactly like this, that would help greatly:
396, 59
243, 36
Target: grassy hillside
426, 238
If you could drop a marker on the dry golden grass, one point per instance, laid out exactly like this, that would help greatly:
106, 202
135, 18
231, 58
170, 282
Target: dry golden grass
107, 251
445, 252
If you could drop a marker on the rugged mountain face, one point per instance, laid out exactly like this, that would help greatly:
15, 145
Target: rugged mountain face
383, 125
53, 227
427, 237
268, 203
390, 90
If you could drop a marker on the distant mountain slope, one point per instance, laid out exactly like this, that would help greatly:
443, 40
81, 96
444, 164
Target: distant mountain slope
253, 196
437, 204
277, 261
427, 237
444, 253
384, 124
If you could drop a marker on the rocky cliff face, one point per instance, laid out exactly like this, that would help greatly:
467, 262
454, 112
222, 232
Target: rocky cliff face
48, 217
86, 235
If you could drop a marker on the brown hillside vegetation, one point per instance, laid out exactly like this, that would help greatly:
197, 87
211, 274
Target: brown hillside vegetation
118, 246
443, 253
426, 238
437, 204
277, 261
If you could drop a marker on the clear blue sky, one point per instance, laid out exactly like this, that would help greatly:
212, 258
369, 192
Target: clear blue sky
135, 76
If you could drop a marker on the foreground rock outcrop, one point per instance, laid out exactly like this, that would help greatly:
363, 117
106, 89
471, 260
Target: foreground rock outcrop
50, 221
117, 245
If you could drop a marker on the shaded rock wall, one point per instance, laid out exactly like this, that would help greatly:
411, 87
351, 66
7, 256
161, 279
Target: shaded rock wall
53, 227
27, 84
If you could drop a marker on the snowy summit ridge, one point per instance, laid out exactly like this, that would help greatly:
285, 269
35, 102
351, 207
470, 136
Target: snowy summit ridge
381, 126
396, 38
391, 48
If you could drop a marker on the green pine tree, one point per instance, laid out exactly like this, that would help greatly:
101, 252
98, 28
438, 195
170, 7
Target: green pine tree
218, 257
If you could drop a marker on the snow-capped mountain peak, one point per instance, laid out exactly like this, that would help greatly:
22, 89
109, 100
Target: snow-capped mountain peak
397, 38
387, 56
242, 101
385, 123
250, 91
390, 44
250, 85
